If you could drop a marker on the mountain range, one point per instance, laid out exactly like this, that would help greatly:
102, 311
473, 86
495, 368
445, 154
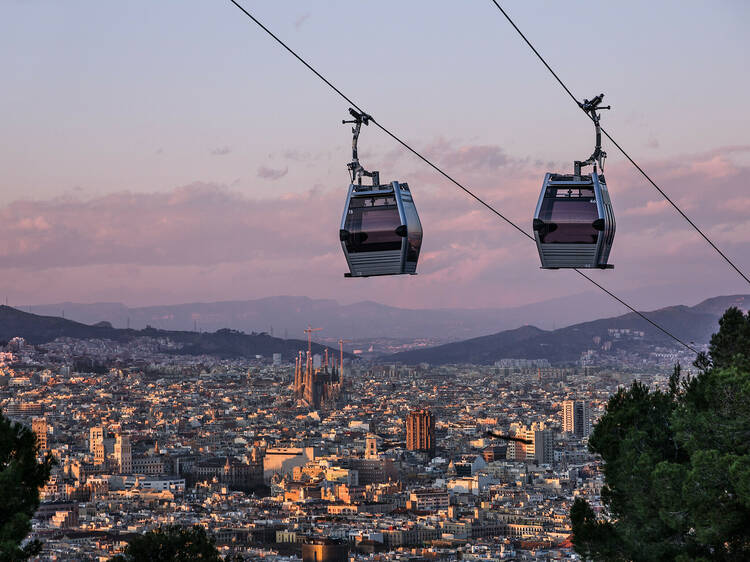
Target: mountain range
693, 325
629, 333
38, 329
288, 316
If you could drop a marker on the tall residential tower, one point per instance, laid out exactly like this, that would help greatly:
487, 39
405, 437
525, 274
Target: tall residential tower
576, 418
420, 431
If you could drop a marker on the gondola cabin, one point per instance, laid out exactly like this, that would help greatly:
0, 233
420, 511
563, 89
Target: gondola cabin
574, 225
380, 231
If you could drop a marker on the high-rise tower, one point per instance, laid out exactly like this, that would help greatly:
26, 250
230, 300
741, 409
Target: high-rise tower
123, 454
96, 444
39, 427
576, 418
420, 431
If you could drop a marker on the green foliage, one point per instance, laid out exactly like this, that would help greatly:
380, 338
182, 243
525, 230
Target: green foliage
730, 346
21, 476
593, 537
677, 463
171, 543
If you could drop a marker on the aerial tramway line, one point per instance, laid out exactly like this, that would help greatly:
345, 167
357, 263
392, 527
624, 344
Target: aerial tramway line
573, 224
380, 231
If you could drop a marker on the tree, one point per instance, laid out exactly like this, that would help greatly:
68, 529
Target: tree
676, 464
730, 346
171, 543
21, 477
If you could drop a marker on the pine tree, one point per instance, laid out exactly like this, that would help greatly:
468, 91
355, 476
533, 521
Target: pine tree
171, 543
21, 477
677, 464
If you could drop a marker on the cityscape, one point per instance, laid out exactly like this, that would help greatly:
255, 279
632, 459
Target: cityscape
273, 454
424, 281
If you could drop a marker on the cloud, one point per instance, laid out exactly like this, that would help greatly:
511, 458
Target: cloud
736, 205
271, 173
221, 151
206, 240
471, 157
300, 21
650, 208
296, 155
199, 224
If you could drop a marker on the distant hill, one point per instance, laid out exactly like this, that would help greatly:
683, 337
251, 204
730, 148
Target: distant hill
691, 324
288, 315
224, 343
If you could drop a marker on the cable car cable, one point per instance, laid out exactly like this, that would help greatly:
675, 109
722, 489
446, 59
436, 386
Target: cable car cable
379, 125
445, 174
622, 150
622, 302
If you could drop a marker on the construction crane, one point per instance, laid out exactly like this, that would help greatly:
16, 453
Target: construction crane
309, 330
341, 353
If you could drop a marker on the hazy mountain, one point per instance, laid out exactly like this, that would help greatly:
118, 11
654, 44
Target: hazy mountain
224, 343
288, 316
690, 324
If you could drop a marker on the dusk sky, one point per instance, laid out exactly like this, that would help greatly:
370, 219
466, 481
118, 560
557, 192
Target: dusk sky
158, 152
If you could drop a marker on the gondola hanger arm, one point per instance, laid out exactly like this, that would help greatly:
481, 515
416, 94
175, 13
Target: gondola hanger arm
356, 171
591, 108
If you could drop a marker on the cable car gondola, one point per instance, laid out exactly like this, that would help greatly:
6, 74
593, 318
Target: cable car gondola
574, 224
380, 230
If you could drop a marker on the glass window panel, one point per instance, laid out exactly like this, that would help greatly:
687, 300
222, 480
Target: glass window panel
569, 220
415, 231
372, 223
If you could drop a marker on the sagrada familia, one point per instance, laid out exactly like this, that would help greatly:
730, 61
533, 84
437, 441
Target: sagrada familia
318, 388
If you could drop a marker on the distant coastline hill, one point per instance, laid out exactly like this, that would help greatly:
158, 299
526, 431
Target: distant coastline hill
224, 343
690, 324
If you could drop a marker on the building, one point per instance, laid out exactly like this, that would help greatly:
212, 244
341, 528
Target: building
97, 446
494, 452
14, 409
230, 472
466, 465
123, 454
420, 431
282, 460
321, 549
428, 500
371, 447
148, 464
576, 418
372, 471
537, 445
39, 427
96, 436
318, 386
544, 446
161, 484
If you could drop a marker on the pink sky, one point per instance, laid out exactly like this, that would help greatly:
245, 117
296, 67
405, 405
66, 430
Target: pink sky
164, 152
207, 242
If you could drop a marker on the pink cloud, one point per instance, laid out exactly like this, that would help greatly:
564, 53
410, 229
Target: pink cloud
650, 208
271, 173
736, 205
207, 241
